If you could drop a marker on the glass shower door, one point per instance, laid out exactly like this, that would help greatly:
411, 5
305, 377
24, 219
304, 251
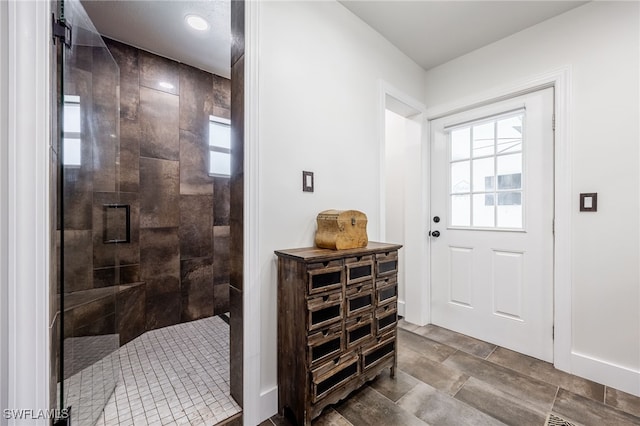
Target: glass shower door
92, 222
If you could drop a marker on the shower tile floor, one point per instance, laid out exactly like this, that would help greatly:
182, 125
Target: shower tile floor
177, 375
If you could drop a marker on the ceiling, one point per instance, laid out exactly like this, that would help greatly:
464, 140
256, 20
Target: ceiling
434, 32
429, 32
158, 26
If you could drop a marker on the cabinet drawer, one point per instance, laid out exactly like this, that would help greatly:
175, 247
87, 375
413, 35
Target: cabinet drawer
386, 291
323, 310
325, 343
330, 376
382, 350
325, 276
359, 269
359, 298
359, 330
386, 318
386, 263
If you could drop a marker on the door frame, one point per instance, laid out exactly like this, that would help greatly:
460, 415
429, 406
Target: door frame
560, 80
25, 319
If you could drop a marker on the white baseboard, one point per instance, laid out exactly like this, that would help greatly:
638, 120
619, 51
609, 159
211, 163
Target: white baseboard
268, 403
606, 373
401, 308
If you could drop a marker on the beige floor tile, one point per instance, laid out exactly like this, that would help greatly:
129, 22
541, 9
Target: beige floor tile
623, 401
368, 407
435, 374
589, 412
500, 405
394, 388
456, 340
538, 393
439, 409
426, 347
547, 373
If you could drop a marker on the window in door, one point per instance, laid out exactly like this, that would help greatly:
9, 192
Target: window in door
486, 173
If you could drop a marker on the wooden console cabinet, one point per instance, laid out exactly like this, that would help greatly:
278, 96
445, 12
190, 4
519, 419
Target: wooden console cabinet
337, 317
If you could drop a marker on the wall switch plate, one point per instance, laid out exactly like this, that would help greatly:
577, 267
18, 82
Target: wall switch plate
589, 202
307, 181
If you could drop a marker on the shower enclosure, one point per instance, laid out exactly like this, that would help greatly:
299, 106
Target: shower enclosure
93, 222
143, 235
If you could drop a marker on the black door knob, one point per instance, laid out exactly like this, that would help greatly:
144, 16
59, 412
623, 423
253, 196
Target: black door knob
435, 234
436, 219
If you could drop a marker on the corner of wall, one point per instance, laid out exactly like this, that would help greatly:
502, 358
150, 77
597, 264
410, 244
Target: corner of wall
253, 405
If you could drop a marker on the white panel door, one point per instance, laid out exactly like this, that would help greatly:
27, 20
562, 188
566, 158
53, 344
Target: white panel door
492, 223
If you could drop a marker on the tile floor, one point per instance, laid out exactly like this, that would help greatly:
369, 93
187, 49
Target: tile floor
177, 375
445, 378
91, 371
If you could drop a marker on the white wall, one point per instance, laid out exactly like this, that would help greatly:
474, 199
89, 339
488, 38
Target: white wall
600, 43
319, 109
4, 208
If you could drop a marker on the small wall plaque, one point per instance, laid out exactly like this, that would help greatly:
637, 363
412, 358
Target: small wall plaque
589, 202
307, 181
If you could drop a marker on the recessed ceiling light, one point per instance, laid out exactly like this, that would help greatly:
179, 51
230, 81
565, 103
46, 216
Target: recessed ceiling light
166, 85
197, 22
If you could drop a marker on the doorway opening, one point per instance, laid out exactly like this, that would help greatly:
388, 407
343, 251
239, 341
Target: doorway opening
401, 206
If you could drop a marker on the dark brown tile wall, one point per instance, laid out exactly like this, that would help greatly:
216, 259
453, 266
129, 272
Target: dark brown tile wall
155, 69
197, 291
159, 193
160, 270
196, 226
196, 92
221, 255
130, 311
159, 129
194, 154
221, 207
176, 208
236, 200
103, 120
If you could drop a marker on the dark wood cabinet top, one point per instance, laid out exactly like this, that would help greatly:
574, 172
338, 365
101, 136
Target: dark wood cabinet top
315, 254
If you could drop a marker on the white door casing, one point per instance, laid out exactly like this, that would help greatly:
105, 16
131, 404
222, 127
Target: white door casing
495, 284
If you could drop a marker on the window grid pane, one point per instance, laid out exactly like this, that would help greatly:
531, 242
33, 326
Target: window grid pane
72, 132
72, 152
487, 191
219, 135
219, 147
220, 163
484, 139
